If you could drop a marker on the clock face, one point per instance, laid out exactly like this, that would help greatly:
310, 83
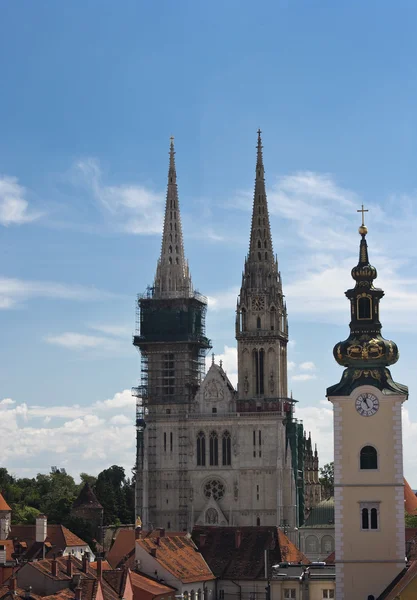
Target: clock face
258, 303
367, 404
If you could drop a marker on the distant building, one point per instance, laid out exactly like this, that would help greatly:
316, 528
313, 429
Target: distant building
87, 507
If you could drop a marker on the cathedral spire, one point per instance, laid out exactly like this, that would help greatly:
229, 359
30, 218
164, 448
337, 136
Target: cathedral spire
172, 279
260, 248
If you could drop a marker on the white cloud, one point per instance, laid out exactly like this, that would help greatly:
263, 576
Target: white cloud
15, 291
83, 438
223, 300
14, 208
113, 330
76, 341
290, 365
131, 208
303, 377
307, 366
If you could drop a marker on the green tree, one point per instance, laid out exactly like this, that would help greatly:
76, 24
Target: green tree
410, 520
327, 479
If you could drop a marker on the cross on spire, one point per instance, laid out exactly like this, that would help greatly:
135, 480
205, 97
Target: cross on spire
363, 211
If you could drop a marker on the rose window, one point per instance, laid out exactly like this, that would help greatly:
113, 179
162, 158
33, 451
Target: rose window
214, 489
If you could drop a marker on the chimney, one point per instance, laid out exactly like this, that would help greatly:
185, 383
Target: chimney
12, 583
54, 566
138, 531
85, 561
161, 532
4, 527
99, 567
69, 566
157, 542
2, 554
203, 538
153, 552
78, 591
41, 528
238, 538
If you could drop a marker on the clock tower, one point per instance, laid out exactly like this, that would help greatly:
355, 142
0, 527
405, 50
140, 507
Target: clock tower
368, 462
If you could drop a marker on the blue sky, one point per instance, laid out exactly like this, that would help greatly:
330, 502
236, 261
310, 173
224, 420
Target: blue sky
90, 94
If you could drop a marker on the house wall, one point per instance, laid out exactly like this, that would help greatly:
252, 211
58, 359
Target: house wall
41, 584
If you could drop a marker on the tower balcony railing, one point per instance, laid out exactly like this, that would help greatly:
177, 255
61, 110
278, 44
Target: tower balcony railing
151, 294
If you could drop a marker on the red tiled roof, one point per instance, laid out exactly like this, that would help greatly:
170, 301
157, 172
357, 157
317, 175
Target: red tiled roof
330, 559
144, 583
3, 504
124, 544
401, 582
20, 593
231, 560
105, 565
177, 554
58, 538
410, 500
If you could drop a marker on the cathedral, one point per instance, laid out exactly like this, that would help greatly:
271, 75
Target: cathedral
207, 453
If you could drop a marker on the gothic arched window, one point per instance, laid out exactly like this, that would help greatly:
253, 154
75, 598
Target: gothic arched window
170, 249
243, 319
214, 449
364, 308
258, 522
226, 449
201, 449
259, 244
369, 458
258, 323
272, 317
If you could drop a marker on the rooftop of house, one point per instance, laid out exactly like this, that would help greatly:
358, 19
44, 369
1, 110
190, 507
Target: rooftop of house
122, 553
400, 583
58, 538
410, 500
239, 552
142, 582
69, 568
3, 504
178, 555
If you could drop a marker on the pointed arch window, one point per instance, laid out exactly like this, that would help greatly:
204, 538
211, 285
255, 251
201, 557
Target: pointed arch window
214, 449
260, 255
201, 449
170, 249
368, 458
243, 319
226, 449
258, 323
259, 244
272, 318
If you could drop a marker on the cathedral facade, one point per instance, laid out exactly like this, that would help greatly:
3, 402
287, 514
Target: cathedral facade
209, 454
